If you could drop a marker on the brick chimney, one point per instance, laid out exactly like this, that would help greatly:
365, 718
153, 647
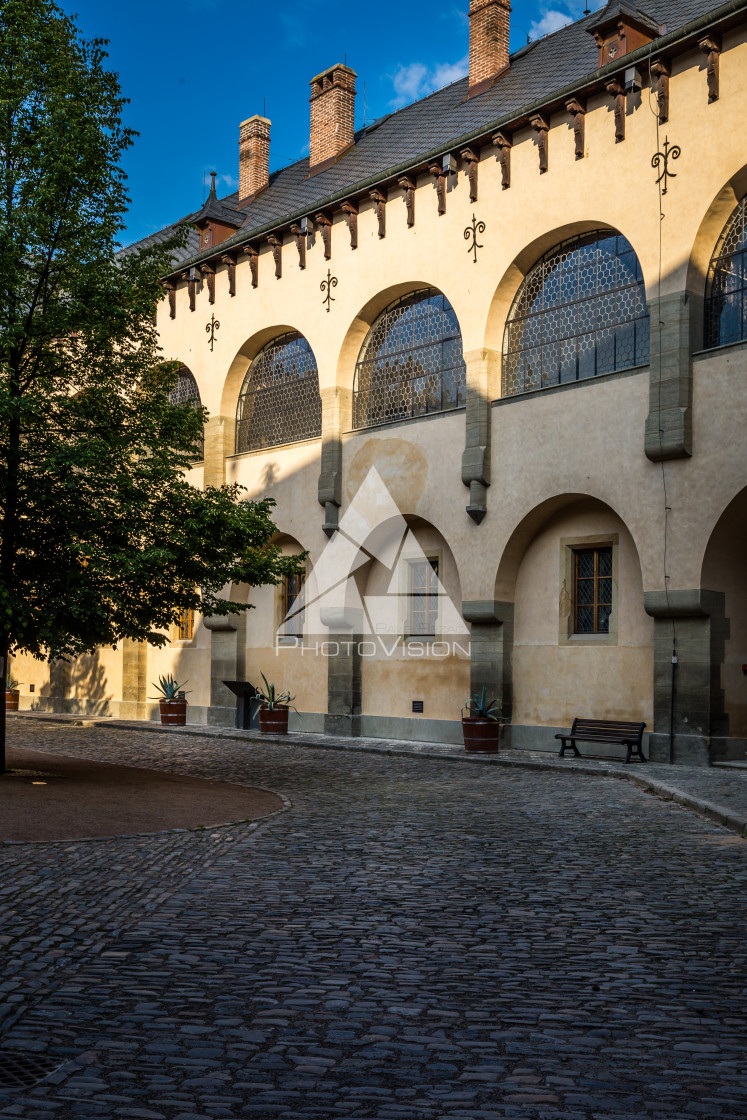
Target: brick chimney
332, 115
489, 26
254, 157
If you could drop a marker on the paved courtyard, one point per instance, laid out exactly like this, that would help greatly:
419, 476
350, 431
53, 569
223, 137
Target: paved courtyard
410, 939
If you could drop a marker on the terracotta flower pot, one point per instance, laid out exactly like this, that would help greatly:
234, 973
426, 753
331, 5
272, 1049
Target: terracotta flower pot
173, 712
274, 719
11, 700
481, 735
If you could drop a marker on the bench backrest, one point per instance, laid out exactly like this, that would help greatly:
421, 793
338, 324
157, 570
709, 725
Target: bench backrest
607, 730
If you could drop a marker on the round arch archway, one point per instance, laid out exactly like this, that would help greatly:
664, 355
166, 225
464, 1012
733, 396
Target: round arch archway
279, 400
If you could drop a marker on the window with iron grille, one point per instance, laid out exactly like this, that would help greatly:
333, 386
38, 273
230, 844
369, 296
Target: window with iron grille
592, 581
581, 312
186, 626
422, 598
279, 400
186, 392
411, 362
726, 289
293, 607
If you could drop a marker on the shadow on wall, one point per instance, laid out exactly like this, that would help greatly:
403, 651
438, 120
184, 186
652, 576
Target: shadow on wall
78, 686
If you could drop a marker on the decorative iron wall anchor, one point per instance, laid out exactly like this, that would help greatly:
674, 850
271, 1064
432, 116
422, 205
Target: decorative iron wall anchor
472, 232
327, 285
671, 151
211, 328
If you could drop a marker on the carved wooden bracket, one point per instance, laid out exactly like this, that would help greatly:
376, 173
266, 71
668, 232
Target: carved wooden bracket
325, 228
300, 237
472, 159
541, 127
209, 271
408, 186
379, 200
616, 90
350, 210
230, 260
170, 290
253, 254
276, 244
189, 276
660, 73
577, 109
711, 46
439, 175
504, 144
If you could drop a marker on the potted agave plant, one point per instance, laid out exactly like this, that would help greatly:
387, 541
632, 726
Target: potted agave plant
480, 726
273, 713
12, 694
172, 701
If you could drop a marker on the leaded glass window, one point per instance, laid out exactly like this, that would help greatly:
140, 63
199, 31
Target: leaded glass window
593, 590
411, 362
279, 400
726, 290
186, 392
581, 312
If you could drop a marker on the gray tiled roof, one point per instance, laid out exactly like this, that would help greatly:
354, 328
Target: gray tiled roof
538, 69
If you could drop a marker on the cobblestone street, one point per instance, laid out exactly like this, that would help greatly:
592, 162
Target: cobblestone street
410, 940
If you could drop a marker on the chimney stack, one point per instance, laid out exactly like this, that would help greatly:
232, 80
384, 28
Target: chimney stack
332, 115
489, 27
254, 157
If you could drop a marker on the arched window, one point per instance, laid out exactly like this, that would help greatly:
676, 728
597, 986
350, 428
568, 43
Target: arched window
411, 362
186, 391
726, 290
580, 312
279, 400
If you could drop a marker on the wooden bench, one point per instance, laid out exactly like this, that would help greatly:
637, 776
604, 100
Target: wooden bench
615, 731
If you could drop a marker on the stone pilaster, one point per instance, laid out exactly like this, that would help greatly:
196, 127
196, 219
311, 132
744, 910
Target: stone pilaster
481, 366
219, 442
491, 645
692, 624
344, 675
336, 405
227, 663
669, 427
134, 679
60, 677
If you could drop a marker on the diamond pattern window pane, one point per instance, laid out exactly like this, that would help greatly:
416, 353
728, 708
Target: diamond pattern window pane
411, 363
279, 400
726, 290
581, 293
186, 392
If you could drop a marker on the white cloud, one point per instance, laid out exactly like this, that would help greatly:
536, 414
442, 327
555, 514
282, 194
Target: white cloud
418, 80
551, 19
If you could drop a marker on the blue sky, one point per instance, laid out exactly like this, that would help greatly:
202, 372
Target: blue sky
194, 69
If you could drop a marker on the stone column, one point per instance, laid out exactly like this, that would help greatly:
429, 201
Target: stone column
344, 681
491, 646
694, 625
134, 679
227, 663
481, 366
336, 413
669, 427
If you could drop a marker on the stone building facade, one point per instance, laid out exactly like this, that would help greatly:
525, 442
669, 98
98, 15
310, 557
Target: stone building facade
489, 357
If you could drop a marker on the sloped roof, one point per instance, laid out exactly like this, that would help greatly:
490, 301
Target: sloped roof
408, 135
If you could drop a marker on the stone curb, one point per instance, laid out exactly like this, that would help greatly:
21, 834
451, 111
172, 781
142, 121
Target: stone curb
667, 792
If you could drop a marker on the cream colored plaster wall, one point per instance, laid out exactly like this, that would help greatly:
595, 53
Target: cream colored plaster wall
725, 570
554, 682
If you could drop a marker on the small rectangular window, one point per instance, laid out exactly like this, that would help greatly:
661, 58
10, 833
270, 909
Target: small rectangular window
293, 606
422, 598
592, 582
186, 626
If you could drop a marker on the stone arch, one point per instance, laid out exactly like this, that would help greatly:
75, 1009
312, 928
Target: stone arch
241, 362
186, 390
723, 574
563, 667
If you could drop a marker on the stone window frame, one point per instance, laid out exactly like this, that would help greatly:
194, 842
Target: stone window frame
568, 547
432, 556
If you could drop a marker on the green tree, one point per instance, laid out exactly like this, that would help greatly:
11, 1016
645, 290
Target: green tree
102, 537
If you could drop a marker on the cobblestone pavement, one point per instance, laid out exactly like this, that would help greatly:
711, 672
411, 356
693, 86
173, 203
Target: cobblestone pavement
412, 940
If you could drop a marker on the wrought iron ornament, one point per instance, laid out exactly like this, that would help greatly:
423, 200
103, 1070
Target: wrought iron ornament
472, 232
671, 151
211, 328
327, 285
